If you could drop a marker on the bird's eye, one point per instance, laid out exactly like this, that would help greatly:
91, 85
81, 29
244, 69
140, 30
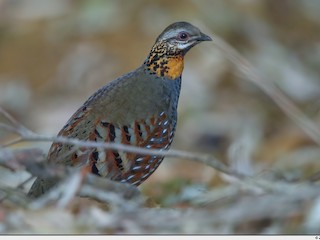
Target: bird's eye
183, 36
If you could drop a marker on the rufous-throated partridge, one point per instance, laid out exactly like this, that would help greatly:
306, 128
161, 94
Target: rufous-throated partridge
138, 109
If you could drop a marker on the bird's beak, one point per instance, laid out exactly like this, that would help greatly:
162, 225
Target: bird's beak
204, 37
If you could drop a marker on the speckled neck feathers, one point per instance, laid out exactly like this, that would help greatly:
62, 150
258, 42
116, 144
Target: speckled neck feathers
165, 61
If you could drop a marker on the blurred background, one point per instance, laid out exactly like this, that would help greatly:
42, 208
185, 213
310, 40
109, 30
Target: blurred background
55, 54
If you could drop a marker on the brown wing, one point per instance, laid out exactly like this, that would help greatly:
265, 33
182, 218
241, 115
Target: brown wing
79, 126
61, 153
155, 132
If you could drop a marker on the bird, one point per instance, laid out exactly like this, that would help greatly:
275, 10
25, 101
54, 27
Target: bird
137, 109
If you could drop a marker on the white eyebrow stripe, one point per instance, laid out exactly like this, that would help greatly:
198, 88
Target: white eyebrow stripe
172, 33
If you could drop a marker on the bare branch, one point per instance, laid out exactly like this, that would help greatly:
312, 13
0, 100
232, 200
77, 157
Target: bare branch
13, 142
118, 194
17, 125
38, 169
19, 159
88, 185
28, 135
14, 196
70, 188
9, 128
59, 171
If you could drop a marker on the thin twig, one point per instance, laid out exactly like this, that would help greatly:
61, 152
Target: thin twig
16, 197
13, 142
285, 104
13, 121
28, 135
9, 128
71, 188
78, 182
20, 158
206, 159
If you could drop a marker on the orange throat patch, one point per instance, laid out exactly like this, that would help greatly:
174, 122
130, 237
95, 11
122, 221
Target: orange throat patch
170, 67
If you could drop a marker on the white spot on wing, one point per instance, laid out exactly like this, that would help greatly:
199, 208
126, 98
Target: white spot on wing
136, 182
136, 168
147, 167
101, 164
132, 134
145, 175
102, 131
164, 131
139, 160
117, 133
130, 177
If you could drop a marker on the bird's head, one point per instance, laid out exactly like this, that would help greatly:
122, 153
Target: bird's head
179, 37
166, 58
